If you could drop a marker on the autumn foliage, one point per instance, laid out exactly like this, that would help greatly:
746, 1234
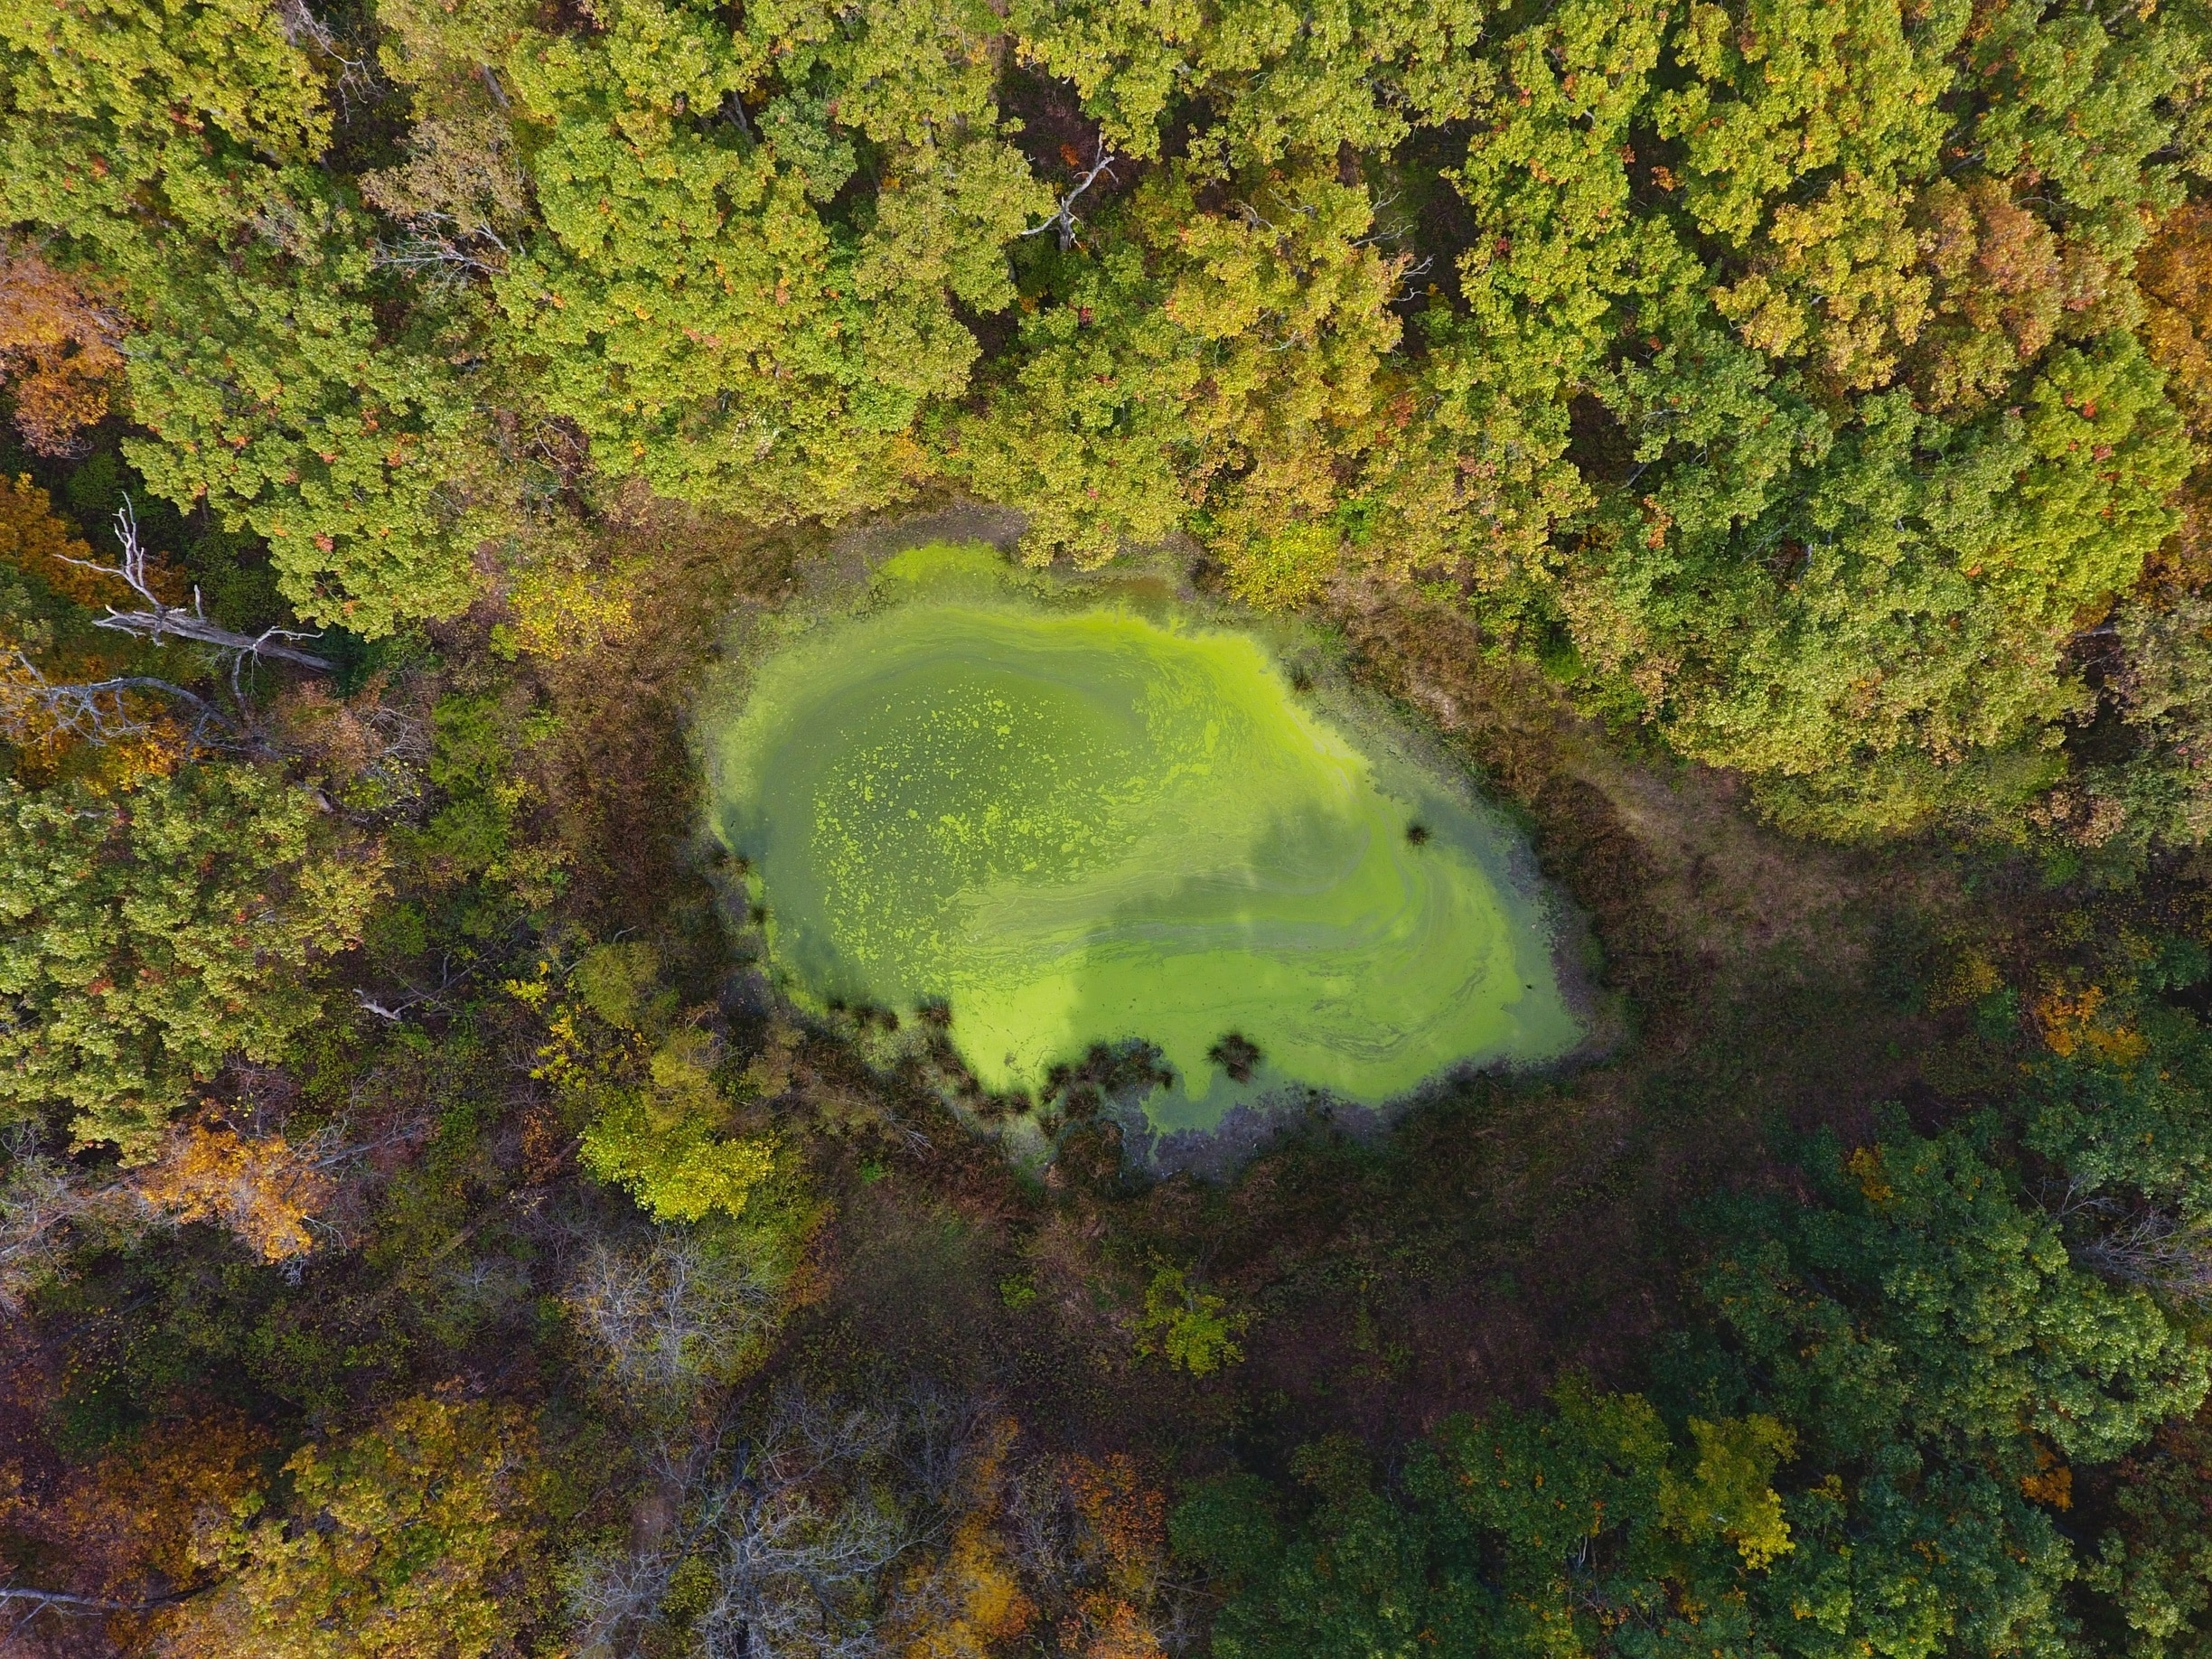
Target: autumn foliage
59, 356
264, 1190
1769, 440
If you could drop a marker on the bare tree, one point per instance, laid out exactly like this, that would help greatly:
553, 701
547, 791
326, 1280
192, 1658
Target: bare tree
36, 1622
669, 1318
800, 1520
356, 77
440, 249
100, 711
38, 1205
2153, 1248
45, 1600
1073, 1573
801, 1553
1063, 217
460, 196
160, 621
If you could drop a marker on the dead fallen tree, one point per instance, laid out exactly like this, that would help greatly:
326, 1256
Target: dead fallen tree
160, 621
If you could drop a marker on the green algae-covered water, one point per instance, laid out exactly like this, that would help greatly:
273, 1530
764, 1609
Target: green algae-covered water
1076, 822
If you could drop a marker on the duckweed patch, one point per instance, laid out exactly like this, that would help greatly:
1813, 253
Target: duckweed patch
1042, 823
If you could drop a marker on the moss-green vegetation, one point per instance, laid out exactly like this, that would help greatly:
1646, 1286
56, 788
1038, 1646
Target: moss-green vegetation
1078, 823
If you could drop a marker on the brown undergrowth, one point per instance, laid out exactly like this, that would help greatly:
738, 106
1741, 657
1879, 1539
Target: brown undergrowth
618, 771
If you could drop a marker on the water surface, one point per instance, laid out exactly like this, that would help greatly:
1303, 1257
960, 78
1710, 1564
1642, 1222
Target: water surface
1082, 823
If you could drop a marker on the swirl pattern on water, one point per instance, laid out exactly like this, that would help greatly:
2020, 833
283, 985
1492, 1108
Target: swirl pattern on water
1081, 824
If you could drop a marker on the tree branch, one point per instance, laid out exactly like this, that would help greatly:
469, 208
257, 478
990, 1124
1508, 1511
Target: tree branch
1065, 220
95, 710
161, 620
65, 1602
432, 998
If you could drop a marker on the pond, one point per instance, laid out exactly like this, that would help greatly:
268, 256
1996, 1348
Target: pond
1075, 819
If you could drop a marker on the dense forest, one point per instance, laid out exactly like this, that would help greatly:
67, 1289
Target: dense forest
1768, 441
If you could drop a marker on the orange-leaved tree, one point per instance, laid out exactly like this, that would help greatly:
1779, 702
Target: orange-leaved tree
59, 352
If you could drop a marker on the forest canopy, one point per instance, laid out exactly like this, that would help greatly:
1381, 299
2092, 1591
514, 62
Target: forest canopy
1812, 386
1767, 444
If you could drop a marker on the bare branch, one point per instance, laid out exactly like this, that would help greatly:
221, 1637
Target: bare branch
356, 77
439, 257
1065, 220
670, 1320
96, 711
61, 1601
432, 998
160, 620
2155, 1249
803, 1516
38, 1204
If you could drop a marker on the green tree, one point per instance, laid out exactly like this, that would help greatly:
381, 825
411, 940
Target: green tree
1835, 537
2155, 1564
657, 1115
172, 147
272, 393
1940, 1353
148, 936
1223, 372
1187, 1326
1269, 77
661, 1138
1558, 1531
703, 321
1956, 1311
1901, 1380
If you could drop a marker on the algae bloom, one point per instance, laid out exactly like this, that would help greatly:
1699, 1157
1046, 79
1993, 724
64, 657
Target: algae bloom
1074, 821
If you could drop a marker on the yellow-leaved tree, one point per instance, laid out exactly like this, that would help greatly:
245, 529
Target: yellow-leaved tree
391, 1545
147, 935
